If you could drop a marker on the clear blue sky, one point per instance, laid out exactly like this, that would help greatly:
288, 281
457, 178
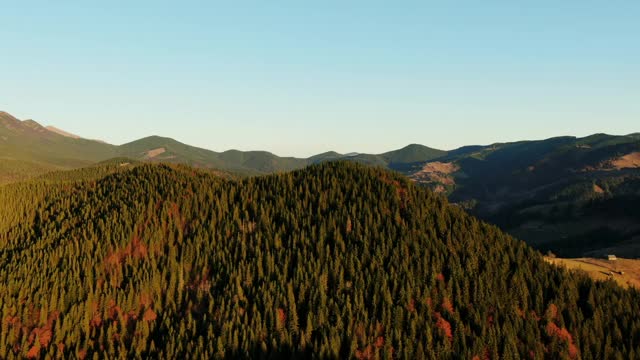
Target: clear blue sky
302, 77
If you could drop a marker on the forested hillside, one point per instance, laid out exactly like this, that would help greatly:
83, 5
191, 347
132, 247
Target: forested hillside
333, 261
573, 196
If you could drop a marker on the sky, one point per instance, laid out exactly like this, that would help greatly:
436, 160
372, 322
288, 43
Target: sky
299, 77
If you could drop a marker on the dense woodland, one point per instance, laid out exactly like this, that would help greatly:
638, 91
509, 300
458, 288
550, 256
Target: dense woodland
334, 261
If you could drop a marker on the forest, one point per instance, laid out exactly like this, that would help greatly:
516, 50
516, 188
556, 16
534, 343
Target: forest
333, 261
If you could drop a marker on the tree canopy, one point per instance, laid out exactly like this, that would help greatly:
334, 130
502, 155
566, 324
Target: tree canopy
336, 260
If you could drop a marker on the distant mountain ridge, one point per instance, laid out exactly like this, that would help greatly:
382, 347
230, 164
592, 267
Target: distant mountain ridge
52, 147
573, 196
31, 142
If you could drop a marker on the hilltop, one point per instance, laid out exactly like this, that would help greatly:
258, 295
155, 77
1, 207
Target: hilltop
337, 260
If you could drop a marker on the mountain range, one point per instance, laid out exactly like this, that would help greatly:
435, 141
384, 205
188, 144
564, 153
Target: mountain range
49, 147
572, 196
353, 256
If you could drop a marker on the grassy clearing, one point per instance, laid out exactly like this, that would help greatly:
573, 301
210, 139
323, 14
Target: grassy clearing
602, 269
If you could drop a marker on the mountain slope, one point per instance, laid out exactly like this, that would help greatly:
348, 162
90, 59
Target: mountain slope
29, 141
17, 170
400, 160
62, 132
562, 194
411, 154
54, 148
156, 148
333, 261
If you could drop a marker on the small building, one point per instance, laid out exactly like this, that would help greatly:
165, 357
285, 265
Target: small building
612, 257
